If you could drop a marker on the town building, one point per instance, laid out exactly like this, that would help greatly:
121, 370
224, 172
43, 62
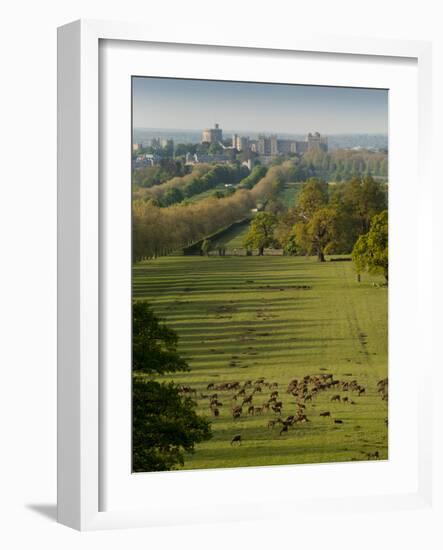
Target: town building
212, 135
241, 143
271, 146
144, 160
198, 158
267, 146
317, 143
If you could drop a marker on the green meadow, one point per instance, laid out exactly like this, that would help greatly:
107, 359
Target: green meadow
278, 318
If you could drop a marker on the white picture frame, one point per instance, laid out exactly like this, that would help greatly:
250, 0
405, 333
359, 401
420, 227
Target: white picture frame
80, 263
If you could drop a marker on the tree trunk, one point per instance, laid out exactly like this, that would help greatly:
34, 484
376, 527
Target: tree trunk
321, 256
358, 277
261, 251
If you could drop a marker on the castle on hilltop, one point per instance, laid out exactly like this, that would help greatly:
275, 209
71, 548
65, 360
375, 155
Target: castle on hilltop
267, 146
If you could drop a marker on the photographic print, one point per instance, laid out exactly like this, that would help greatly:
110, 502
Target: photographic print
259, 274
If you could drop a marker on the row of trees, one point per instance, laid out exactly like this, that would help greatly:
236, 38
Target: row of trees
257, 173
343, 164
339, 165
158, 231
202, 178
149, 176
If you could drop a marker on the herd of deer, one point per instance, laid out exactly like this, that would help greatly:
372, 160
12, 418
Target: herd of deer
244, 396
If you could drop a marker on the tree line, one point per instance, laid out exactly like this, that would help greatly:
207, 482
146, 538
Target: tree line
158, 230
326, 219
202, 178
343, 164
166, 169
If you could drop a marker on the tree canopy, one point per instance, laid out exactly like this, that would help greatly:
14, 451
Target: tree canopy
370, 252
261, 232
165, 424
318, 234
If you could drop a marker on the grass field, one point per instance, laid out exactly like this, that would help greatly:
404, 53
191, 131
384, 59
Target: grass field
205, 194
242, 318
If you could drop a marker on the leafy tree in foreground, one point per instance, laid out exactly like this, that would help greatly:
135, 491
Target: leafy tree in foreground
370, 252
165, 423
261, 232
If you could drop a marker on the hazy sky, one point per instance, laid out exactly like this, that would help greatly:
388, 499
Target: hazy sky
196, 104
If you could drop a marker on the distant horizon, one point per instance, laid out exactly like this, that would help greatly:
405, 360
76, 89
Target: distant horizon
229, 130
192, 105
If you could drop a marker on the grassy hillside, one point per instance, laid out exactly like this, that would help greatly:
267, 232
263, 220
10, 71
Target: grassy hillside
234, 237
242, 318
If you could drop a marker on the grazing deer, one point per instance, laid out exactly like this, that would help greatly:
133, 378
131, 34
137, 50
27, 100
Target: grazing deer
247, 399
284, 429
373, 455
326, 413
335, 398
236, 412
338, 421
251, 409
236, 439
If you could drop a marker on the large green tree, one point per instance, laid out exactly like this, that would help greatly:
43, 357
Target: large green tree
318, 235
165, 424
370, 252
357, 201
261, 232
313, 195
315, 227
